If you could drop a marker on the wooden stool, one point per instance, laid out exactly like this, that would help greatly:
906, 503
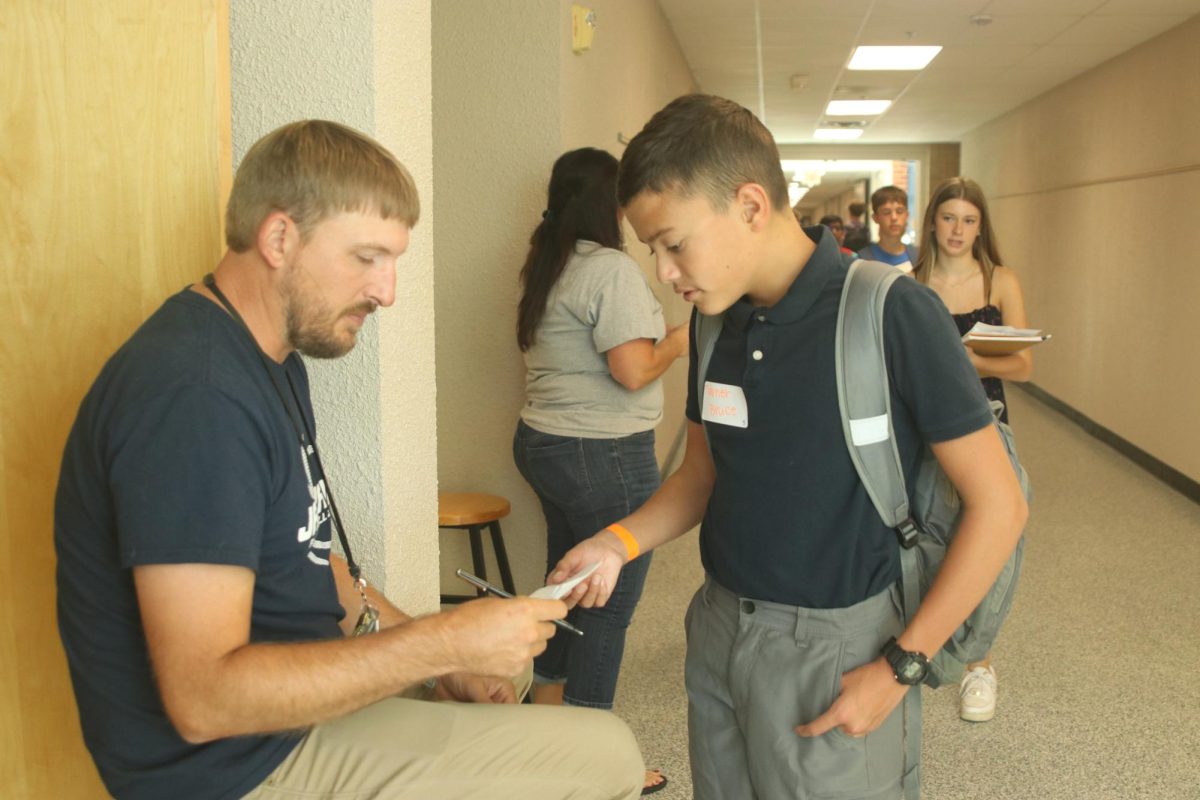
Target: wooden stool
471, 511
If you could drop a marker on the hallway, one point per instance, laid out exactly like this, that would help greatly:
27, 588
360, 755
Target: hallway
1097, 663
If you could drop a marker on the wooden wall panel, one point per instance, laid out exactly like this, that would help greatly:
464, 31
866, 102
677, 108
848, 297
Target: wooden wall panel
111, 176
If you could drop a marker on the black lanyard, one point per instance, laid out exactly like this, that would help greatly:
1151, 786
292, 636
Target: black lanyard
308, 443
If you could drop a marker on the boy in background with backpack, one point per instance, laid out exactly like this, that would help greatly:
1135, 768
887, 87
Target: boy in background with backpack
798, 657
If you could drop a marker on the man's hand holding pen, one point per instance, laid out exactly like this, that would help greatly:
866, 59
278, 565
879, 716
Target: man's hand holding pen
497, 591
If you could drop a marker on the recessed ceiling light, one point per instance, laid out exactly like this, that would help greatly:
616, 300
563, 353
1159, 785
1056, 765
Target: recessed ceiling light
837, 133
856, 108
893, 58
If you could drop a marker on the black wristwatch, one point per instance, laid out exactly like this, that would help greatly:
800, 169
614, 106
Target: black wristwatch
909, 666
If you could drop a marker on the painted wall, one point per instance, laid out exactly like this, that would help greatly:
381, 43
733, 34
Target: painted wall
403, 39
496, 126
1093, 188
342, 60
504, 75
633, 69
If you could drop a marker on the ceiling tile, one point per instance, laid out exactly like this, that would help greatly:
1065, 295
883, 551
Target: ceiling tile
927, 7
962, 59
1118, 32
1077, 7
1189, 8
823, 9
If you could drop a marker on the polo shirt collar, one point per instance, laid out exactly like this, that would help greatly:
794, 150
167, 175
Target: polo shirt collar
823, 264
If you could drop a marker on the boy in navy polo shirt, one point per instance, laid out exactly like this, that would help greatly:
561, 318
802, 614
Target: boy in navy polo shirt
788, 693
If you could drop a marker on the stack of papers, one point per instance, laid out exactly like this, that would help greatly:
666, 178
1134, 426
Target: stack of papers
996, 340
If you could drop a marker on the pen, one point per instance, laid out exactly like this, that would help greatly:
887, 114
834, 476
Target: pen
496, 590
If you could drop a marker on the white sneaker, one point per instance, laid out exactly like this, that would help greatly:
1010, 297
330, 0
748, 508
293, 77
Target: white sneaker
977, 695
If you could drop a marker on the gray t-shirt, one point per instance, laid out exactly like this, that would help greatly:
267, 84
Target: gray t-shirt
601, 300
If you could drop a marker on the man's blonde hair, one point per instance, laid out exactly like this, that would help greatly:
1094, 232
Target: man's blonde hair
311, 170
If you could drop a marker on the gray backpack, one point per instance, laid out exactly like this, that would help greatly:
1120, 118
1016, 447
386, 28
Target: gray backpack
925, 527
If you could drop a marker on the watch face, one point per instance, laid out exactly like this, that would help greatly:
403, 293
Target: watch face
914, 670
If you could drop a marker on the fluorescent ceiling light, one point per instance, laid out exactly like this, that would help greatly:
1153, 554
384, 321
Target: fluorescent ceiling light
887, 58
856, 108
795, 193
837, 133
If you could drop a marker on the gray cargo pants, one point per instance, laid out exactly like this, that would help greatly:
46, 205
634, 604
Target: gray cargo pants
755, 670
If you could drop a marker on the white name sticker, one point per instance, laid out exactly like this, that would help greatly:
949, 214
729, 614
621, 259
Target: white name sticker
869, 430
724, 405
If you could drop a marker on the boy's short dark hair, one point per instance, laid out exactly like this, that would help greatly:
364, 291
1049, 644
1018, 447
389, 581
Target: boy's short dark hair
829, 219
857, 209
888, 194
701, 144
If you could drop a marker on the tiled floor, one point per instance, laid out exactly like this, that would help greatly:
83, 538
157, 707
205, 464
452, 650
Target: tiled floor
1098, 664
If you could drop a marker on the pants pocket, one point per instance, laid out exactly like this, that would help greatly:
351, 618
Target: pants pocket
556, 468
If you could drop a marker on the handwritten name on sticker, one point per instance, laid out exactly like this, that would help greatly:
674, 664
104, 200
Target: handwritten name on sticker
725, 405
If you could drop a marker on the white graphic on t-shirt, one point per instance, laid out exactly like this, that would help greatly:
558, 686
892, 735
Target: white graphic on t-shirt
318, 514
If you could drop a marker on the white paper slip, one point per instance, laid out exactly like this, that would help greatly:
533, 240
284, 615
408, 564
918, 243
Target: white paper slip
724, 404
557, 591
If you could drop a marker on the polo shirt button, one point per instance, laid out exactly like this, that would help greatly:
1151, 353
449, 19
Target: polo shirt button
748, 606
756, 355
762, 317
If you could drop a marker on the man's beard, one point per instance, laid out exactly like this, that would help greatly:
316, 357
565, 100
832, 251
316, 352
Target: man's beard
311, 325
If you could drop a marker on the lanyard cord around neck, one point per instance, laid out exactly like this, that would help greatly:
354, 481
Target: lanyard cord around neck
308, 442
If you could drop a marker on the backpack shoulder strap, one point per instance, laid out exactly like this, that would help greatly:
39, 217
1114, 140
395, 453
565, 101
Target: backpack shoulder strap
864, 399
708, 330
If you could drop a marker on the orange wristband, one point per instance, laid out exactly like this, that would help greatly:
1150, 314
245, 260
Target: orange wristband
631, 545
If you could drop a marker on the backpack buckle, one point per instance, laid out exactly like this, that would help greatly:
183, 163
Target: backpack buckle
908, 533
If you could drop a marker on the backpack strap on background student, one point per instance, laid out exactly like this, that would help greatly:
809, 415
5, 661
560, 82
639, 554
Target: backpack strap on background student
865, 403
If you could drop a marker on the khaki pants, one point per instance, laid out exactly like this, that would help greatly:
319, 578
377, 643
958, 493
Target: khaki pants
404, 748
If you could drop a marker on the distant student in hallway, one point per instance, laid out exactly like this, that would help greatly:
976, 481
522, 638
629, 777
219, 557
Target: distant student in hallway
797, 655
889, 209
858, 235
960, 260
838, 229
595, 345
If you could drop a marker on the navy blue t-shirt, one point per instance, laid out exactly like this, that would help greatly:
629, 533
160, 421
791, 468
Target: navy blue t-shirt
788, 520
182, 452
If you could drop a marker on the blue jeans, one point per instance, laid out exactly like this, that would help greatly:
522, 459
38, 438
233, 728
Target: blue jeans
585, 485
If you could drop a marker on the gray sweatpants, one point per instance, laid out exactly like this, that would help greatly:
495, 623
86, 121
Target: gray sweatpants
755, 670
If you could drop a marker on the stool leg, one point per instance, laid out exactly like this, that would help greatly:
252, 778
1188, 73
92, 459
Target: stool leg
476, 534
502, 557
